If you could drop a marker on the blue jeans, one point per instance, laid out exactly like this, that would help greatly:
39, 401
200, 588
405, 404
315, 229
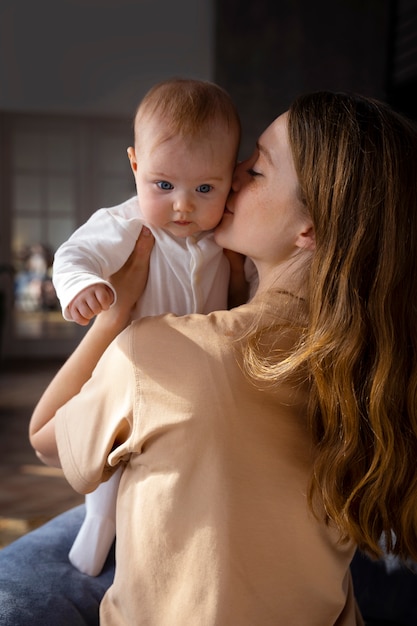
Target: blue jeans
39, 586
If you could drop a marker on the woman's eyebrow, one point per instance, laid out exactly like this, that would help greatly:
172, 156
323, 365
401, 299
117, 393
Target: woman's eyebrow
265, 152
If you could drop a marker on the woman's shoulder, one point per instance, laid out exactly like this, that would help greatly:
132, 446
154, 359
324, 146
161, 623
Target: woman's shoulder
279, 311
169, 330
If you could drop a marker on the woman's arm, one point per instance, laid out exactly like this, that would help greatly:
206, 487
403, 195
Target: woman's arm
80, 365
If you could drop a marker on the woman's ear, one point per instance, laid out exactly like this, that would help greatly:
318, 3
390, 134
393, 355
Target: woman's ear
132, 158
307, 238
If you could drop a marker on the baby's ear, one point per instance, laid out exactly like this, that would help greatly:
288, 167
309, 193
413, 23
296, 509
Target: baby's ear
132, 158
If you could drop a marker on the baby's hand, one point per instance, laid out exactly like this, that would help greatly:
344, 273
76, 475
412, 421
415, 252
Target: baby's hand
90, 302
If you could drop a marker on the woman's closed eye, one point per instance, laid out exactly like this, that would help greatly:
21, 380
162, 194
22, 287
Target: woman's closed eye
253, 172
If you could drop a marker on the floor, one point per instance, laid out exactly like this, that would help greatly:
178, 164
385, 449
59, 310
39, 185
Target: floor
30, 492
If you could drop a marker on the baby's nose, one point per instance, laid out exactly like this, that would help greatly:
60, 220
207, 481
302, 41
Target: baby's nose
183, 203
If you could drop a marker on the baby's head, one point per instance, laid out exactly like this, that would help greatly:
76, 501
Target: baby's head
187, 136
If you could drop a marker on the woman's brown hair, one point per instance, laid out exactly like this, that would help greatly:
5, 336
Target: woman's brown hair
356, 160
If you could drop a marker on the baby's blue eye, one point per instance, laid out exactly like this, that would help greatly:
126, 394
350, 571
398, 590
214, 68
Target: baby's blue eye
204, 188
165, 185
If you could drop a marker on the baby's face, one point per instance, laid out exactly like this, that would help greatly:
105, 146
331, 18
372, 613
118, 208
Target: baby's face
182, 184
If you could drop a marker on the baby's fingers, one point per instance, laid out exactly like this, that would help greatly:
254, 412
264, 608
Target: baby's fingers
104, 297
81, 313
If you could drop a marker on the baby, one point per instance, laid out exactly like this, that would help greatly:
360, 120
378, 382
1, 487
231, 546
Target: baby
187, 135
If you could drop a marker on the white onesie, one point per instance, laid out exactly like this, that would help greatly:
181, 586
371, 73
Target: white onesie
187, 275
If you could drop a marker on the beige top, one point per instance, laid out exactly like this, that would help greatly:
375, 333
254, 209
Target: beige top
213, 527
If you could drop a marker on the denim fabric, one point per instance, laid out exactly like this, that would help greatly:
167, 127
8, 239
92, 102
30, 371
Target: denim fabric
39, 586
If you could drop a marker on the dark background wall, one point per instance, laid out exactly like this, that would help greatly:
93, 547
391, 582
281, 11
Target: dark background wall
269, 51
98, 57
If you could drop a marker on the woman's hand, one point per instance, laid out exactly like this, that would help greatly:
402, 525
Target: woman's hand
129, 282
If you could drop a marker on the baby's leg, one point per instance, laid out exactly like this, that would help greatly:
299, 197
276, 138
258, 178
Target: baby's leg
92, 544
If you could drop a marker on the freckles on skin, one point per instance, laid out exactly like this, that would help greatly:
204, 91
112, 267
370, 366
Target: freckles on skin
236, 229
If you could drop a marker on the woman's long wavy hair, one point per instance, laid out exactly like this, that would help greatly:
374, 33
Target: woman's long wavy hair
356, 160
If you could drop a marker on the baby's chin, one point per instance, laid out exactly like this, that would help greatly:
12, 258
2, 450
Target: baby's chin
182, 230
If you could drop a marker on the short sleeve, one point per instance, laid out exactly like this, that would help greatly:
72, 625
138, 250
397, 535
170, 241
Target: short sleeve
98, 421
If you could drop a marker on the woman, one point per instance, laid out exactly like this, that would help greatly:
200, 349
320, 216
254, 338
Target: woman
263, 444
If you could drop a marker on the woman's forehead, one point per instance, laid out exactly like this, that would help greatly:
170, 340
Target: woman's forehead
274, 138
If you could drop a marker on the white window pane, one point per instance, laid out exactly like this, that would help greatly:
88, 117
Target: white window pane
27, 192
59, 229
61, 195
